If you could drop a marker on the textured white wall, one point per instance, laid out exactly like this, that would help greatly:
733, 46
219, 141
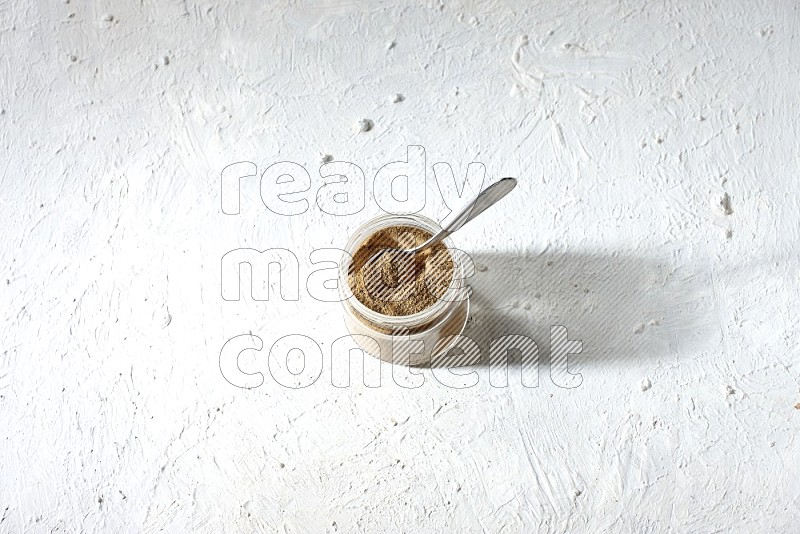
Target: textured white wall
626, 123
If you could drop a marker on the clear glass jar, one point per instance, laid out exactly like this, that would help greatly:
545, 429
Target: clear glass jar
397, 338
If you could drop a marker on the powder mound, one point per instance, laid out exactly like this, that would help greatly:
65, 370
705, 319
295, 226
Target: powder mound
392, 282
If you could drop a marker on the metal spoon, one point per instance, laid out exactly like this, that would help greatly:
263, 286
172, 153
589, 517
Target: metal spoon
482, 202
393, 268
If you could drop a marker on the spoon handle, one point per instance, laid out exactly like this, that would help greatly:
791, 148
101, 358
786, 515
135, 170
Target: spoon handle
482, 202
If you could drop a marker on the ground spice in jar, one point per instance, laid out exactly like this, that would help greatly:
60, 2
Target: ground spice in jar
391, 282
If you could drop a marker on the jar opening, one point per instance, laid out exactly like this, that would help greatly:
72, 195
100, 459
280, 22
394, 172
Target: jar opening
388, 279
425, 305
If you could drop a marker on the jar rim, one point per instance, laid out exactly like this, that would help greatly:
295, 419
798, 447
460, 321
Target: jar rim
430, 313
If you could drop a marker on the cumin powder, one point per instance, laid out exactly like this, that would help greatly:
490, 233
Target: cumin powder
391, 282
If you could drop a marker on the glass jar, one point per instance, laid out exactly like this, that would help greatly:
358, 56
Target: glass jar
397, 338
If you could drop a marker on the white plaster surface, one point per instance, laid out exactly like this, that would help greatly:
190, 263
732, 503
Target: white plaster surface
626, 123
